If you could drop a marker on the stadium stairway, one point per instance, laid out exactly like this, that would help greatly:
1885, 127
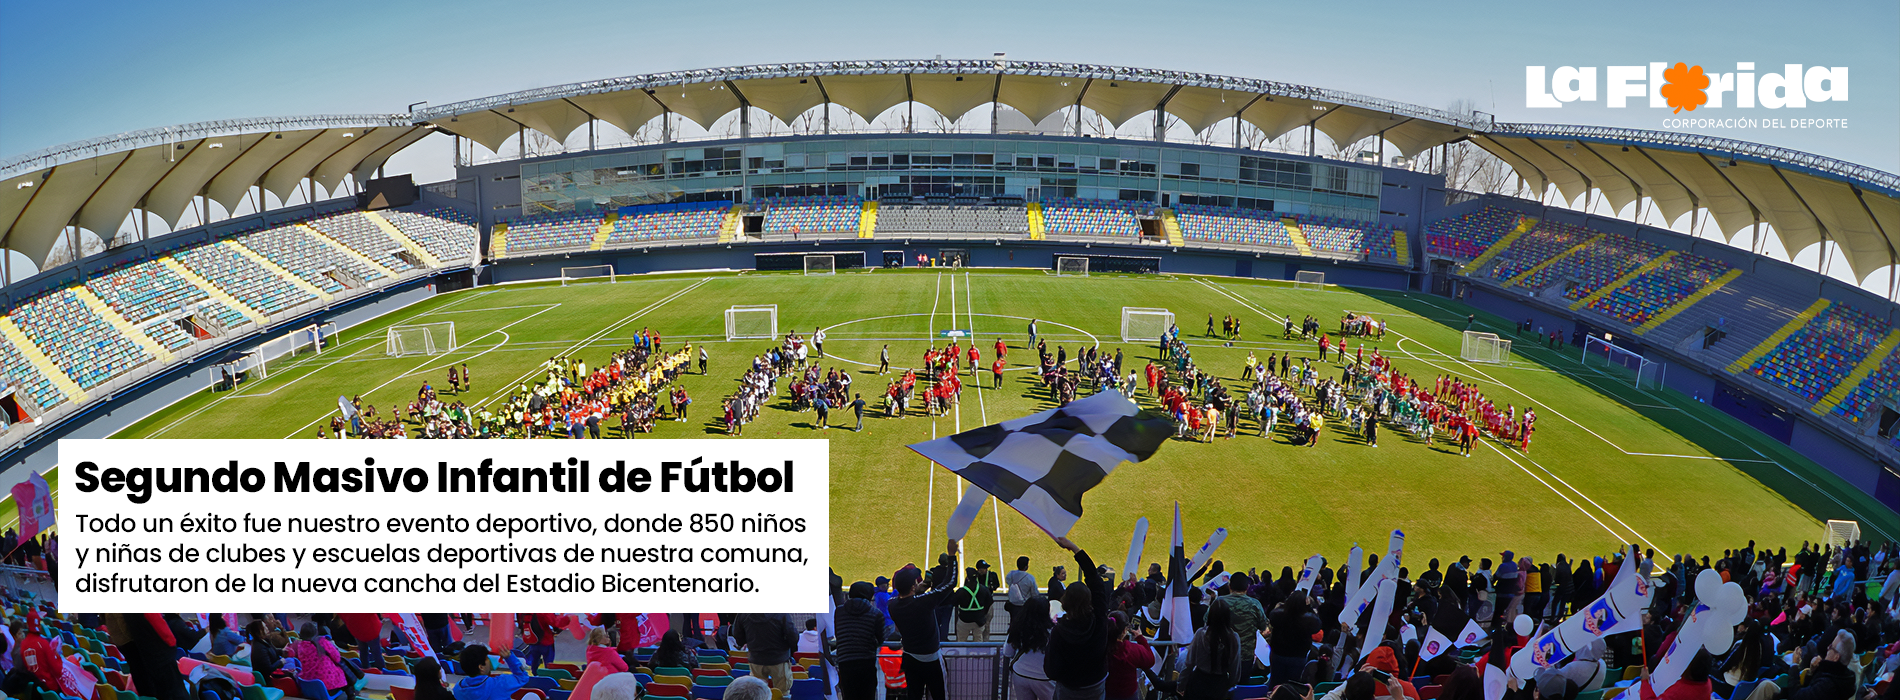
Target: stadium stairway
287, 276
1514, 281
498, 241
601, 232
39, 360
346, 250
1401, 248
1861, 371
1688, 301
1171, 226
1299, 239
1787, 329
396, 234
729, 226
256, 316
867, 221
1477, 263
1620, 281
124, 326
1037, 231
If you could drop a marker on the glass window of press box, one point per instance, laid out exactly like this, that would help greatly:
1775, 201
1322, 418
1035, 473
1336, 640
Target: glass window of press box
927, 168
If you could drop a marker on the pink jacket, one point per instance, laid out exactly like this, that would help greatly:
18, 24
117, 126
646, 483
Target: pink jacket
319, 661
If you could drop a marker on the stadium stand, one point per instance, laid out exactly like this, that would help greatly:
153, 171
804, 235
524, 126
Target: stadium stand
550, 232
443, 232
1468, 236
1092, 217
307, 258
363, 236
951, 219
1356, 238
1539, 246
1589, 269
22, 374
810, 214
1881, 383
1650, 292
1819, 355
665, 222
249, 282
148, 290
1231, 226
85, 346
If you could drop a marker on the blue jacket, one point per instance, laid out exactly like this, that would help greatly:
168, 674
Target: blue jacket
493, 687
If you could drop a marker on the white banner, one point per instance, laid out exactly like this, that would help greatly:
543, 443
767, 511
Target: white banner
426, 526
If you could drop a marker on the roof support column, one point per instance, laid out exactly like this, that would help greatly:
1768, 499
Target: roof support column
521, 140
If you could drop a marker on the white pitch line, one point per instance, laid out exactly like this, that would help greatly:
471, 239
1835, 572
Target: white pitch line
930, 491
996, 515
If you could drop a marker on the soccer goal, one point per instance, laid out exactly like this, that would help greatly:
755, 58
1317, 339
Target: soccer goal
1067, 266
313, 338
1310, 279
821, 265
588, 273
1841, 533
1485, 347
1628, 364
753, 322
420, 339
1145, 325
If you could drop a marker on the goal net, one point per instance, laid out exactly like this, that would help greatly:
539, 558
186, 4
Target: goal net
420, 339
1841, 533
1623, 362
1309, 279
1145, 325
1485, 347
587, 273
1072, 267
753, 322
314, 338
821, 265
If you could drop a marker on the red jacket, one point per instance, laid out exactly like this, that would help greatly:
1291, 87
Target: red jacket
541, 628
42, 659
1124, 661
1682, 690
608, 658
363, 626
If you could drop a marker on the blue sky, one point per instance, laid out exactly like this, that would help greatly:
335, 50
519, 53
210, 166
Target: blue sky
75, 70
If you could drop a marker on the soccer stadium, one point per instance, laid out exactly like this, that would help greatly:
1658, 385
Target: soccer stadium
1340, 342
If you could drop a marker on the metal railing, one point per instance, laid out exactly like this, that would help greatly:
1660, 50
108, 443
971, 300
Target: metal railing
94, 147
1677, 139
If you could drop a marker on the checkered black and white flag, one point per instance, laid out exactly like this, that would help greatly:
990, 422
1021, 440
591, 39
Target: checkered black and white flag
1042, 464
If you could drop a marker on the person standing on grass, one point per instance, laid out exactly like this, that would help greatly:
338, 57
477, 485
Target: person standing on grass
857, 407
1001, 349
884, 359
1210, 325
1372, 429
702, 360
1032, 334
996, 373
824, 410
974, 357
818, 341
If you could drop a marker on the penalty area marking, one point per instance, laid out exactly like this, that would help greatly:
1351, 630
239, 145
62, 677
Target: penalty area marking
1093, 340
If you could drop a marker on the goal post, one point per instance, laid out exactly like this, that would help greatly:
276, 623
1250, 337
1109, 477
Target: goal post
313, 338
1841, 533
1145, 325
1309, 279
1072, 266
1640, 371
1485, 347
420, 339
821, 265
587, 273
752, 322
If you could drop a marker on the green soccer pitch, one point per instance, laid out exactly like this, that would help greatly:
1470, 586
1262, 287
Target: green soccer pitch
1609, 464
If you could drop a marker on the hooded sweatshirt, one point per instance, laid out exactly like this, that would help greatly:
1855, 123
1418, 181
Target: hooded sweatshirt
493, 687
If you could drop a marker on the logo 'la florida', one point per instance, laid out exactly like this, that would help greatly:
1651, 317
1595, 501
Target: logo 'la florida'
1683, 87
